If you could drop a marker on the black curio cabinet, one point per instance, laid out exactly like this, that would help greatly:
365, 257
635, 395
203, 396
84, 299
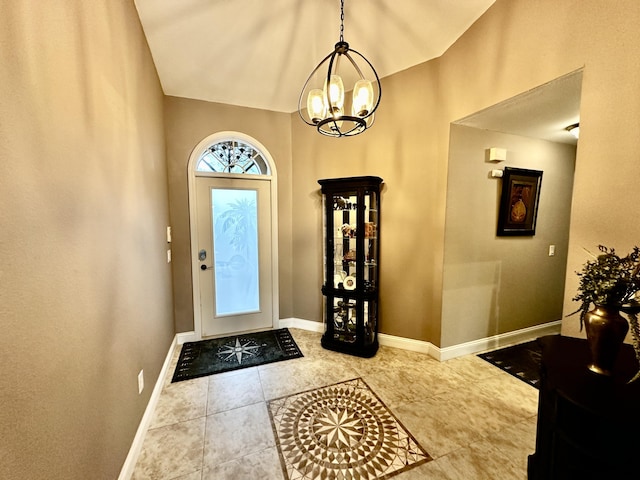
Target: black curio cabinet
351, 233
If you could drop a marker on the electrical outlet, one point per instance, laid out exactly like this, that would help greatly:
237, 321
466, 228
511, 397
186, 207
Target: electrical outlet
140, 382
168, 256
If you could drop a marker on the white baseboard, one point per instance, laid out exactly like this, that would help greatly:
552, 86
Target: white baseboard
447, 353
136, 446
308, 325
185, 337
405, 343
504, 339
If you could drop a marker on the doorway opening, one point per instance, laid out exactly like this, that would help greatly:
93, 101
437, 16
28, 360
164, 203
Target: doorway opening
495, 286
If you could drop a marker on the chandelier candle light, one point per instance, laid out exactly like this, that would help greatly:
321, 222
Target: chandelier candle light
323, 95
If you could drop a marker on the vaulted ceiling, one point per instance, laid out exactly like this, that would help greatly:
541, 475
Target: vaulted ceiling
258, 53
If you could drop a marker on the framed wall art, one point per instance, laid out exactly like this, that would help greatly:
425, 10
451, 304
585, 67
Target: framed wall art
519, 202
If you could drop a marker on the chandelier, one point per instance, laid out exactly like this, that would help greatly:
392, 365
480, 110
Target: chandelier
323, 102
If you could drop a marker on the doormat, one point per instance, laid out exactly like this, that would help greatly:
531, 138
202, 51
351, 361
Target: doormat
217, 355
522, 361
343, 431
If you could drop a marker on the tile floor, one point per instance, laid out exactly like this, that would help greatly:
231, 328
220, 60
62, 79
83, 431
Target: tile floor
476, 421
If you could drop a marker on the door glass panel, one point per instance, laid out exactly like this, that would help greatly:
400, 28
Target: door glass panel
235, 246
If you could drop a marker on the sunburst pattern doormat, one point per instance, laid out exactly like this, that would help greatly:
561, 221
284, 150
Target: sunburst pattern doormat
341, 432
207, 357
522, 361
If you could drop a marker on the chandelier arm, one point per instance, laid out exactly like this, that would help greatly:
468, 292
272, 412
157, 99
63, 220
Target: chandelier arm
318, 66
331, 61
354, 64
377, 80
327, 97
368, 63
359, 125
304, 88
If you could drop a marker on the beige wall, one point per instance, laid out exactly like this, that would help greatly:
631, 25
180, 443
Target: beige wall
85, 295
187, 123
515, 46
493, 285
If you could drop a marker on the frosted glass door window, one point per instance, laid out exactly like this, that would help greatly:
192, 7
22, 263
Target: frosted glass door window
235, 244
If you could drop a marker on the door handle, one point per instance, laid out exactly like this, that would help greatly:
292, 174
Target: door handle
204, 267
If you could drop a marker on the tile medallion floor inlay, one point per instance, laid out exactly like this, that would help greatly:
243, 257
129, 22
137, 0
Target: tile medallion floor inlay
341, 431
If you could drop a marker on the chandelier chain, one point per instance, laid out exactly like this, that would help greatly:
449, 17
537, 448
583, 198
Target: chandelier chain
342, 20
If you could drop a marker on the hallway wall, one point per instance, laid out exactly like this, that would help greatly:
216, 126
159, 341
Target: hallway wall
493, 285
85, 295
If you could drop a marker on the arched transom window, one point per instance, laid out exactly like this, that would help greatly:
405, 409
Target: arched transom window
232, 156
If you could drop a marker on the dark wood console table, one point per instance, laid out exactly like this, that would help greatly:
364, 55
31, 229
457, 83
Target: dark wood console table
588, 425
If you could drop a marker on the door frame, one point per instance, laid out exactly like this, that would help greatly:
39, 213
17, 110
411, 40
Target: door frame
196, 153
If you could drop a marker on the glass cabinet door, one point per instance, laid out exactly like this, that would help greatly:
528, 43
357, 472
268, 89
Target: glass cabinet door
370, 274
344, 320
345, 245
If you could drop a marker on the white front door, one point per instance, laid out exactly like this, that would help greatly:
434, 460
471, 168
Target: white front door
235, 255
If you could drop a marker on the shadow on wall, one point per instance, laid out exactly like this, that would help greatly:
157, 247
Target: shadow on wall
471, 291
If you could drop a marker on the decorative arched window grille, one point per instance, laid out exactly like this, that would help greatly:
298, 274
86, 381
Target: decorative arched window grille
232, 156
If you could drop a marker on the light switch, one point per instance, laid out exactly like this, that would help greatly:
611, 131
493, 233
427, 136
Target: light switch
552, 250
168, 234
168, 256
